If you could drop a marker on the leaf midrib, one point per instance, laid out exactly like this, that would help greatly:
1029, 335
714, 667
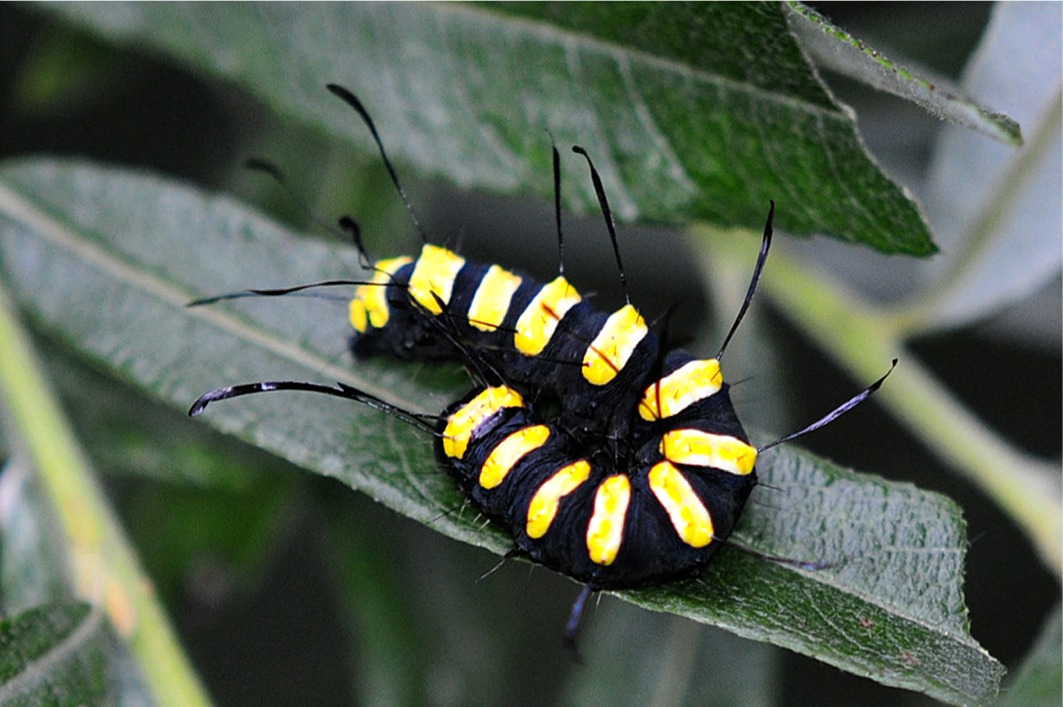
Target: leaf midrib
66, 237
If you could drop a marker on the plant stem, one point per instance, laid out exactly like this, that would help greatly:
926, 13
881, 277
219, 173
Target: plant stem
101, 564
863, 340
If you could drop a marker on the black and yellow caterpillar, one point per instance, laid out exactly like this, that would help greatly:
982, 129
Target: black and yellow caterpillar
604, 454
651, 519
605, 371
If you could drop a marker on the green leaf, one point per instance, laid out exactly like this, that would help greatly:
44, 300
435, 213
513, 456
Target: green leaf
892, 607
75, 237
33, 576
54, 654
693, 112
834, 48
1039, 681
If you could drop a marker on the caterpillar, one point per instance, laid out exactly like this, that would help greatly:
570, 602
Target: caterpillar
566, 506
604, 371
640, 470
543, 339
657, 515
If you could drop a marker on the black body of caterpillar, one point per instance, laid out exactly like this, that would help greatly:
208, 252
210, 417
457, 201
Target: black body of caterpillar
543, 339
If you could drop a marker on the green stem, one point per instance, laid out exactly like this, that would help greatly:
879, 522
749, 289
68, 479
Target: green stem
862, 340
101, 564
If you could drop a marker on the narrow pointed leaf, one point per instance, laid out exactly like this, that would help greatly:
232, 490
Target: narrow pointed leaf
694, 111
834, 48
108, 261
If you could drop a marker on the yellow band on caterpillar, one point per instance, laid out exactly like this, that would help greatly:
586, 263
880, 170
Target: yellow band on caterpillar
540, 318
493, 296
688, 514
544, 504
612, 348
605, 531
509, 451
432, 280
463, 422
697, 380
369, 307
700, 448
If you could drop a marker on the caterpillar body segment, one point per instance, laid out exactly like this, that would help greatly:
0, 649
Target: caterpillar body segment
645, 521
